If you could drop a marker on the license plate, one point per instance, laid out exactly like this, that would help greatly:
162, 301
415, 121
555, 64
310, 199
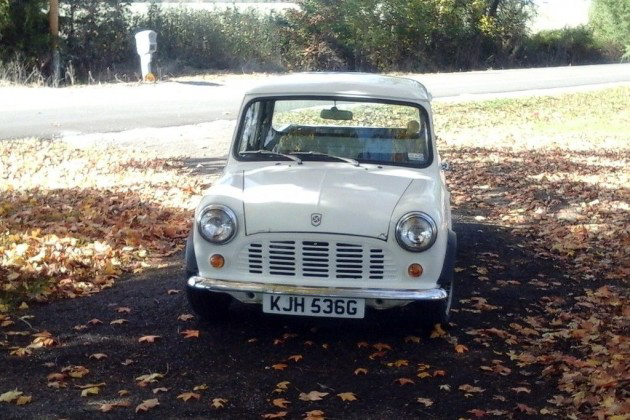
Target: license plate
314, 306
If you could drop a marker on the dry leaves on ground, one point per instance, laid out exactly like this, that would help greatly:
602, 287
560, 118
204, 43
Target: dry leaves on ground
556, 171
73, 220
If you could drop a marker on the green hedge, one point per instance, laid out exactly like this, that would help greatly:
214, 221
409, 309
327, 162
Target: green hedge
366, 35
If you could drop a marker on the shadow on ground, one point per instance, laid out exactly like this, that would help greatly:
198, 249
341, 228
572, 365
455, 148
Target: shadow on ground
242, 358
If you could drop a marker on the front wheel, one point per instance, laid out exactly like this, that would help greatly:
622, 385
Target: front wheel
428, 313
439, 312
207, 305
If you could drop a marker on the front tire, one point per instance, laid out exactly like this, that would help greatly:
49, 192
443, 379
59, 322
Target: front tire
207, 305
438, 312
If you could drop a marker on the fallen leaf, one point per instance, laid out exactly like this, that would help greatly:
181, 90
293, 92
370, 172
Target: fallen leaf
127, 362
404, 381
427, 402
445, 387
362, 344
382, 346
477, 412
56, 376
470, 389
460, 348
76, 371
283, 385
118, 321
347, 396
218, 402
279, 366
10, 396
360, 371
520, 389
312, 396
98, 356
202, 387
146, 405
296, 357
23, 399
150, 378
185, 317
280, 402
437, 331
94, 390
148, 338
377, 354
20, 351
423, 375
123, 310
523, 408
95, 321
190, 333
159, 389
314, 415
412, 339
173, 291
188, 395
277, 415
106, 408
90, 385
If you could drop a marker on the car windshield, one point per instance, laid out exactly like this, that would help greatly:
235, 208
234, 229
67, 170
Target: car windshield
335, 130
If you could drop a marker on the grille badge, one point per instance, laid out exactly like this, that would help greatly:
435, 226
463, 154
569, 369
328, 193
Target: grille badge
316, 219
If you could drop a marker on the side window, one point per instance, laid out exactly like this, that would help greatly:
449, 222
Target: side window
248, 137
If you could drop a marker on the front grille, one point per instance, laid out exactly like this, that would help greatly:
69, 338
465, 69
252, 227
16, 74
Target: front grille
318, 259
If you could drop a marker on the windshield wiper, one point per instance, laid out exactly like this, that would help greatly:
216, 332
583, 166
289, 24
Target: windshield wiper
271, 153
343, 159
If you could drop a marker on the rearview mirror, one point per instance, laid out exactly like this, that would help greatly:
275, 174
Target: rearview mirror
337, 114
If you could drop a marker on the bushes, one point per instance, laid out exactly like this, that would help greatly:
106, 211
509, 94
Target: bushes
610, 20
96, 35
365, 35
24, 32
214, 39
562, 47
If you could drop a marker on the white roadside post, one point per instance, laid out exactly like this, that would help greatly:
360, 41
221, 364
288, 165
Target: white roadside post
146, 45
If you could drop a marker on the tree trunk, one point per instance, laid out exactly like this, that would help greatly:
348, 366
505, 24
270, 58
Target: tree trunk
53, 17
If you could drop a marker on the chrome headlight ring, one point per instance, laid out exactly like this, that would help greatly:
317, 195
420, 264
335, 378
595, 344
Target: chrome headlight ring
217, 224
416, 231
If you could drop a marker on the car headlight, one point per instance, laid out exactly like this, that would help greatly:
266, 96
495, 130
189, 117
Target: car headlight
416, 231
217, 224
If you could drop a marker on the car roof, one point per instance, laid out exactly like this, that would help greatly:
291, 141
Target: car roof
362, 85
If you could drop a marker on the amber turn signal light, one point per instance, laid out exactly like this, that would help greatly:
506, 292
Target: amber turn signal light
415, 270
217, 261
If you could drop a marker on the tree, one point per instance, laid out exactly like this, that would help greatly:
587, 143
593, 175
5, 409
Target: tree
610, 20
24, 30
96, 34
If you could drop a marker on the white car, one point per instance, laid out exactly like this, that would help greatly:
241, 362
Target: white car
332, 201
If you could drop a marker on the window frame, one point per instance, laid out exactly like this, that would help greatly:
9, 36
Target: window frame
429, 125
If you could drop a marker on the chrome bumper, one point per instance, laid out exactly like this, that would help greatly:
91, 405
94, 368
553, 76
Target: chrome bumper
250, 291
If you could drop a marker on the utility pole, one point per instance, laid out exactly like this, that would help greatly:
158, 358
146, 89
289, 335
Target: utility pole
53, 17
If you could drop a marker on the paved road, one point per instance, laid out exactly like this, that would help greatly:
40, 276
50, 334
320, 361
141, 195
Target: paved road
47, 112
